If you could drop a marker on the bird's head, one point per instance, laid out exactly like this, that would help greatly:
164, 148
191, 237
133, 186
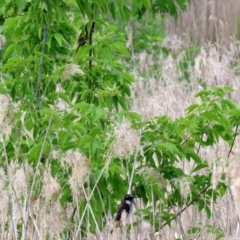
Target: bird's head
129, 197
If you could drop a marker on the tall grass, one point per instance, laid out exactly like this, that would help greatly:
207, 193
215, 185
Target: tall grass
163, 91
166, 94
208, 21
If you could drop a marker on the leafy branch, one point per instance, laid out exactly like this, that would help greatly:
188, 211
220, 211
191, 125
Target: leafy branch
185, 208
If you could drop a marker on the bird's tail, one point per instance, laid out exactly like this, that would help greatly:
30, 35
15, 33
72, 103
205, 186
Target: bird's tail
115, 226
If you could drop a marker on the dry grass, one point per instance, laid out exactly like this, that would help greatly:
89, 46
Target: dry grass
169, 96
207, 21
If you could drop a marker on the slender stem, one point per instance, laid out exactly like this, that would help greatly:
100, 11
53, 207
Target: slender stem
90, 80
69, 236
234, 138
214, 214
180, 212
134, 162
90, 60
39, 80
108, 160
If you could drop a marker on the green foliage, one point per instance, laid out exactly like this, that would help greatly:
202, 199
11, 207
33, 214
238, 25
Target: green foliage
167, 142
207, 230
41, 70
163, 7
147, 33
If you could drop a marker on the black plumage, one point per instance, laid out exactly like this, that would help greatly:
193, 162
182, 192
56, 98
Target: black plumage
84, 36
125, 205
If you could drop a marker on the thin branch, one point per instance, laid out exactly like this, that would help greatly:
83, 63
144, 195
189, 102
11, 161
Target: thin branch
91, 211
90, 80
39, 80
134, 162
69, 235
206, 223
185, 208
90, 58
234, 139
108, 160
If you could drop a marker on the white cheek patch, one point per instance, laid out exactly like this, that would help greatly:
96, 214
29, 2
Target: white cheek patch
128, 202
131, 209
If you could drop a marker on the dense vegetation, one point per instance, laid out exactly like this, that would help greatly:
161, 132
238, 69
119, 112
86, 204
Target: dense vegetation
64, 109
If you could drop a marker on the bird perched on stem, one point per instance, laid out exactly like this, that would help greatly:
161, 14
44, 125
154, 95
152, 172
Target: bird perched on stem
84, 36
126, 206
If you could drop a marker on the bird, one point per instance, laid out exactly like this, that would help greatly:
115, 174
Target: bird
84, 36
126, 206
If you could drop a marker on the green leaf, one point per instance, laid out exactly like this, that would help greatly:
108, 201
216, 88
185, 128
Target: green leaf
213, 116
81, 106
64, 97
95, 145
99, 113
85, 94
228, 104
113, 10
64, 137
85, 8
171, 147
165, 50
182, 4
222, 189
73, 2
194, 230
9, 51
201, 166
146, 211
192, 107
85, 141
66, 195
229, 88
128, 77
208, 211
135, 118
21, 4
13, 91
56, 167
120, 47
84, 51
195, 157
59, 38
95, 131
203, 93
146, 4
40, 32
122, 102
2, 2
34, 153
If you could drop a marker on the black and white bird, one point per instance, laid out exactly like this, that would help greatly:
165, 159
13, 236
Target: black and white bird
125, 207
